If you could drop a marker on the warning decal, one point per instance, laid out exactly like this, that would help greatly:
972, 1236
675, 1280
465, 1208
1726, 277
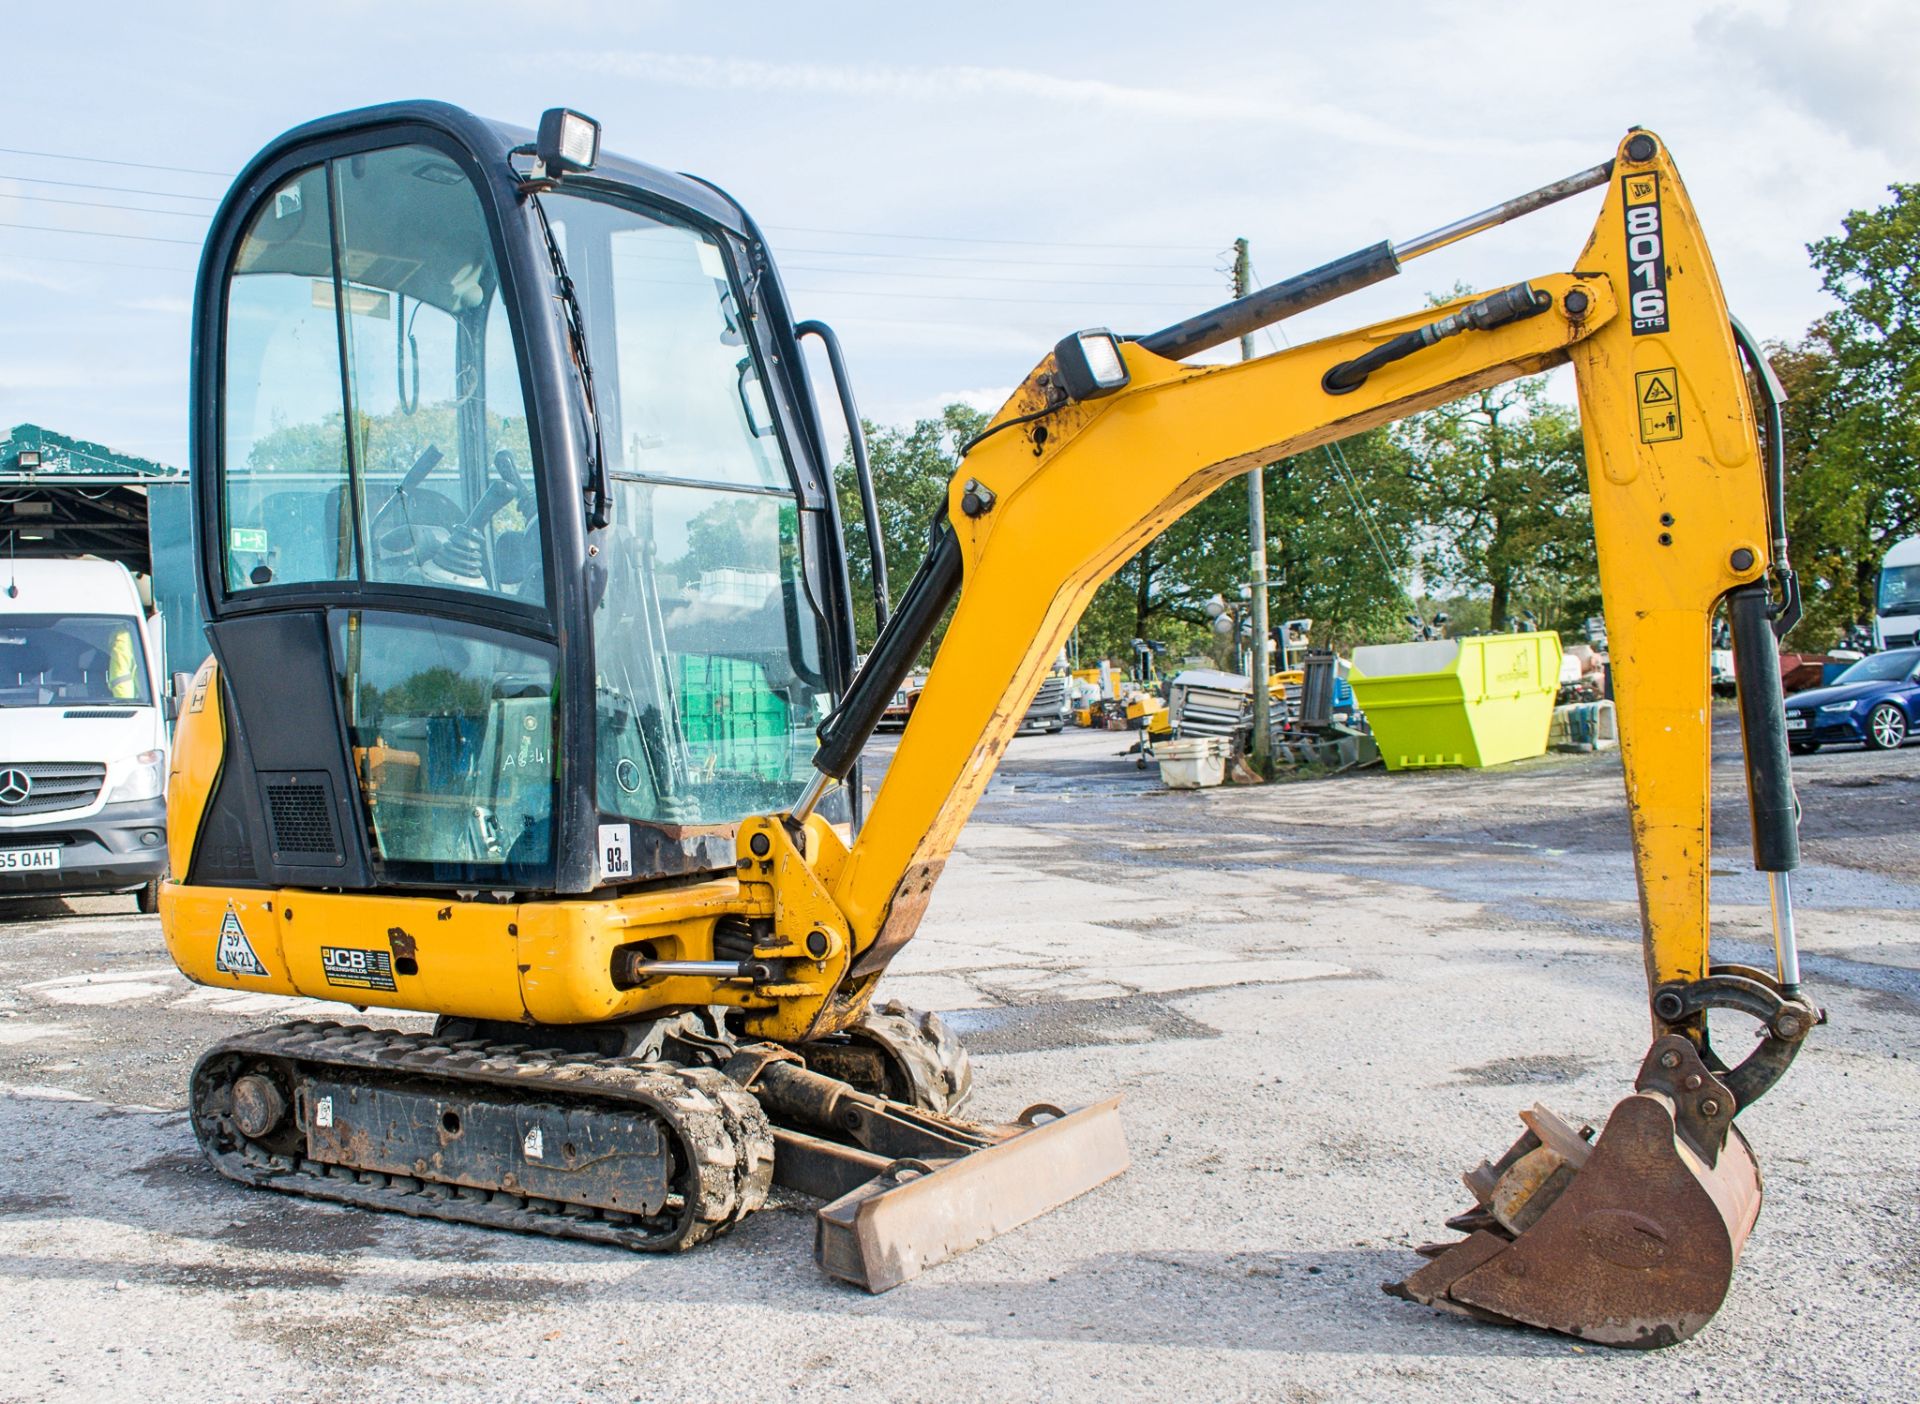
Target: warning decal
1646, 254
233, 954
1657, 393
357, 969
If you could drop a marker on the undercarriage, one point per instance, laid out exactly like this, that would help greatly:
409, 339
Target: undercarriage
654, 1136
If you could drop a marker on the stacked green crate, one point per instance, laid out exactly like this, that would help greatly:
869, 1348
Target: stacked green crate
735, 724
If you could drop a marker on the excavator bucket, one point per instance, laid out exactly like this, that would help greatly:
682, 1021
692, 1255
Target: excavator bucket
1628, 1240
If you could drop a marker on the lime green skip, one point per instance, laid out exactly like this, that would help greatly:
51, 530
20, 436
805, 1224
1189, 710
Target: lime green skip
1475, 701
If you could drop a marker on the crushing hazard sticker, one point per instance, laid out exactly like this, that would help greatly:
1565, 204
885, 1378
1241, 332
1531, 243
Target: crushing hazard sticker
1657, 393
233, 954
1646, 254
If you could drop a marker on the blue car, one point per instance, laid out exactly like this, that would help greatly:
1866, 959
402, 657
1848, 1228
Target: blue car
1875, 702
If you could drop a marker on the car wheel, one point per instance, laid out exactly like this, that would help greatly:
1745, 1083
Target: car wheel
1886, 727
148, 898
1803, 748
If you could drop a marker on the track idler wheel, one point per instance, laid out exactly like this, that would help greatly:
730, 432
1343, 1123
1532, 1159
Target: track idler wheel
1628, 1240
903, 1054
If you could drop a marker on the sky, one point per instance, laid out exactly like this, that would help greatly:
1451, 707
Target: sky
955, 187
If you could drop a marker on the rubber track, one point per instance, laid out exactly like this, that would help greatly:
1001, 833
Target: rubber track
723, 1145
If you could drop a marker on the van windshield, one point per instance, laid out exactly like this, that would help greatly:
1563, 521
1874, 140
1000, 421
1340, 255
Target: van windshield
60, 660
1900, 589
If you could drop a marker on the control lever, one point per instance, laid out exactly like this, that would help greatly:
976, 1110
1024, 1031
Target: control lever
463, 553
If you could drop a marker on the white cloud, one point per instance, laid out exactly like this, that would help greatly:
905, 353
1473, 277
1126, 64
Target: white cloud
1850, 67
1239, 103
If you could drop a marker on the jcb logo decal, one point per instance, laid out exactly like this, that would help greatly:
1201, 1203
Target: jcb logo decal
357, 969
1646, 254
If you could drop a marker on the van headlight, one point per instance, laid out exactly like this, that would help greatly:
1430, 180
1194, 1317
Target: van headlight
144, 780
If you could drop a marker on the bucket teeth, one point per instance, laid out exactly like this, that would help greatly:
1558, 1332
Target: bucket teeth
1628, 1240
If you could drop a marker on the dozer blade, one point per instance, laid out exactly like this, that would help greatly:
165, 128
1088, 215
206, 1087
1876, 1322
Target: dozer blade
916, 1214
1637, 1249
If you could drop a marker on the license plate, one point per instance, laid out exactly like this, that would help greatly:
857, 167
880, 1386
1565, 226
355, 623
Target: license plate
29, 860
1796, 723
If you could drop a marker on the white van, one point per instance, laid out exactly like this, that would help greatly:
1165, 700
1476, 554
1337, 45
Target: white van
1896, 613
83, 734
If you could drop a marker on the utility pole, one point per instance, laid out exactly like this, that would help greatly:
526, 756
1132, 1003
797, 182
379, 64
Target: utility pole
1262, 754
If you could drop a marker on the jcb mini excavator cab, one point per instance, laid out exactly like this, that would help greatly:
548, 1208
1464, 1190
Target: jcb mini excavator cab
525, 577
534, 706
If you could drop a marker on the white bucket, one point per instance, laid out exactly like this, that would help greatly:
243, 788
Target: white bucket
1194, 763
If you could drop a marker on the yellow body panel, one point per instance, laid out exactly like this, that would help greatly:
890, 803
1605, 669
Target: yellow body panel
1071, 504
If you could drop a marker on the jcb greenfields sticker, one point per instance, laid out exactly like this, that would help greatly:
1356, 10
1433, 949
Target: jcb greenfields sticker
354, 968
234, 953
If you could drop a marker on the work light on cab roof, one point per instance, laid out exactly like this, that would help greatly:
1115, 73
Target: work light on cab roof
568, 142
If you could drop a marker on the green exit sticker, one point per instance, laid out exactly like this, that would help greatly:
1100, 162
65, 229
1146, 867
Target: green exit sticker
246, 539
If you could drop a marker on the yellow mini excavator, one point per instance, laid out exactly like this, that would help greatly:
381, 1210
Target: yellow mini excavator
533, 705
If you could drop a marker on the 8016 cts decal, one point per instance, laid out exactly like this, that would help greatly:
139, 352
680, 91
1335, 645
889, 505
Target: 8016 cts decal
1646, 254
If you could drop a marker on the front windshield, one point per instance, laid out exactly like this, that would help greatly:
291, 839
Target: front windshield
1900, 590
1882, 667
63, 660
373, 424
708, 645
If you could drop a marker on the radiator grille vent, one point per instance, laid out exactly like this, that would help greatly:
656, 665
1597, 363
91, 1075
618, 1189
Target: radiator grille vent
302, 821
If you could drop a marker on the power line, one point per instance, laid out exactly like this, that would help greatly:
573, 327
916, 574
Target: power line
100, 234
105, 205
106, 161
1342, 470
1004, 262
116, 189
982, 239
1001, 278
9, 256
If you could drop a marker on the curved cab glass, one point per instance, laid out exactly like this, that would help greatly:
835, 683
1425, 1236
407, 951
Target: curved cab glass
709, 651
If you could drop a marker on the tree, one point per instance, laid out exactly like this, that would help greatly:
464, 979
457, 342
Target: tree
1499, 480
1859, 372
1828, 519
1336, 543
911, 470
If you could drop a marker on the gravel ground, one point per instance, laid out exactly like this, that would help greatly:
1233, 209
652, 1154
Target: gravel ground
1321, 1002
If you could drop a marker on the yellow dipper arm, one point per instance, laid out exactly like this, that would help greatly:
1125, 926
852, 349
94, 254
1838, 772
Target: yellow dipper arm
1679, 509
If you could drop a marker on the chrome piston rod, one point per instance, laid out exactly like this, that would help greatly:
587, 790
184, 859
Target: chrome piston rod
1506, 210
1786, 950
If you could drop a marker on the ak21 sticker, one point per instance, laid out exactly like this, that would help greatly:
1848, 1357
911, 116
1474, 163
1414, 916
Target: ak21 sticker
1646, 254
233, 954
357, 969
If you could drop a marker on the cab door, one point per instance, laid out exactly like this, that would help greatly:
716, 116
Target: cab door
382, 591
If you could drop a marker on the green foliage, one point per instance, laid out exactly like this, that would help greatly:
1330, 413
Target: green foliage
1832, 542
1498, 481
1329, 558
1853, 424
911, 469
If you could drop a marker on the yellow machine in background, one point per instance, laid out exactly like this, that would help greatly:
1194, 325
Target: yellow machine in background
529, 740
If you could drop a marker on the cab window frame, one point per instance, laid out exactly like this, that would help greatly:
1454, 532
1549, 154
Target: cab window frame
516, 615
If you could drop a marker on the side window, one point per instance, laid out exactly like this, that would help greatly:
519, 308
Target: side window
287, 514
710, 680
452, 735
439, 423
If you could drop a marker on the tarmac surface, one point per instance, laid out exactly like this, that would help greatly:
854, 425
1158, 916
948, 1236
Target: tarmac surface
1321, 1002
